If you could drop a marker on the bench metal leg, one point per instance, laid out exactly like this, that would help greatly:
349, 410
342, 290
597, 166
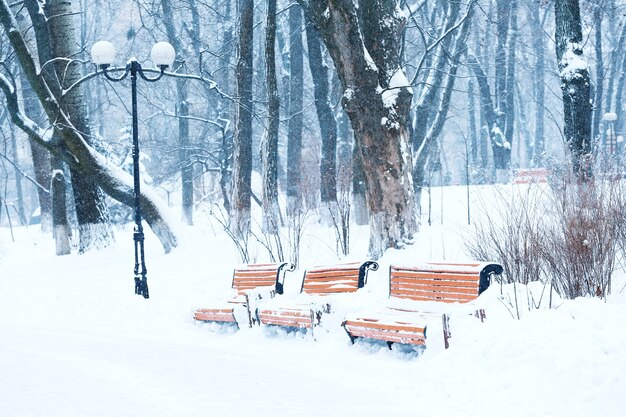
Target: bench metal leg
446, 330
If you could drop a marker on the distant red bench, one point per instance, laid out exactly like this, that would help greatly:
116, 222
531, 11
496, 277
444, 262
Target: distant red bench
531, 175
318, 281
246, 278
429, 282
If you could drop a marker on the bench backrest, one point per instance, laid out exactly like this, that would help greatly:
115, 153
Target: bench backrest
252, 276
341, 278
447, 282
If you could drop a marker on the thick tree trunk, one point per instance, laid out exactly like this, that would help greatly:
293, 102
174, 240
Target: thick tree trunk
294, 134
242, 193
377, 98
269, 153
91, 211
575, 85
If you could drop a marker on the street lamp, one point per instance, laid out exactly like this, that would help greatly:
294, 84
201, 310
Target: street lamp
162, 54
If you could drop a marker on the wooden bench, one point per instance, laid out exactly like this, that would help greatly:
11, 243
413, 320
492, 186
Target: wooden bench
421, 284
318, 281
246, 279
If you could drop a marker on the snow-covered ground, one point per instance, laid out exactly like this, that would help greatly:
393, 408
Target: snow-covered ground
76, 341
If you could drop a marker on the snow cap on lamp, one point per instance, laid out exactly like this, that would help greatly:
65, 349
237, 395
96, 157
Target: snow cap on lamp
103, 53
163, 54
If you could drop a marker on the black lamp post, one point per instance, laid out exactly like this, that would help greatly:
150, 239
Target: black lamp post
163, 54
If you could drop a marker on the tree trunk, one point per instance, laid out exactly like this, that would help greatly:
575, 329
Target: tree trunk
538, 144
510, 73
599, 87
91, 211
184, 153
502, 158
40, 157
498, 142
294, 134
472, 157
377, 98
269, 153
242, 174
575, 85
62, 230
328, 124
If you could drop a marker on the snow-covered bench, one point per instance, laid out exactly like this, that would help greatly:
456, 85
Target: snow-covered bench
248, 279
319, 284
417, 294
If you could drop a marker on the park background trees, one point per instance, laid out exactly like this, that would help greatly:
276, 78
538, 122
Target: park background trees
308, 109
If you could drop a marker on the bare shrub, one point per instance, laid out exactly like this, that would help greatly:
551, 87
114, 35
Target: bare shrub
581, 238
509, 233
568, 236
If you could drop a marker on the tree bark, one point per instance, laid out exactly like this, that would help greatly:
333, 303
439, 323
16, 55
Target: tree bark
575, 85
327, 122
91, 211
377, 98
502, 158
269, 153
538, 144
40, 157
294, 134
242, 142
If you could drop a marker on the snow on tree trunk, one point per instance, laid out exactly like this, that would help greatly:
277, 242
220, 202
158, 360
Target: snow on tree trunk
62, 229
575, 85
365, 46
94, 228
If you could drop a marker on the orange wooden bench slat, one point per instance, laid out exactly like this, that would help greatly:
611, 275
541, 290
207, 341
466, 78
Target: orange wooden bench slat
246, 277
325, 280
438, 282
413, 338
303, 320
413, 282
377, 324
433, 275
218, 315
315, 275
446, 298
435, 288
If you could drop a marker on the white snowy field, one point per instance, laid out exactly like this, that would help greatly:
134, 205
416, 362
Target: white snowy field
76, 341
